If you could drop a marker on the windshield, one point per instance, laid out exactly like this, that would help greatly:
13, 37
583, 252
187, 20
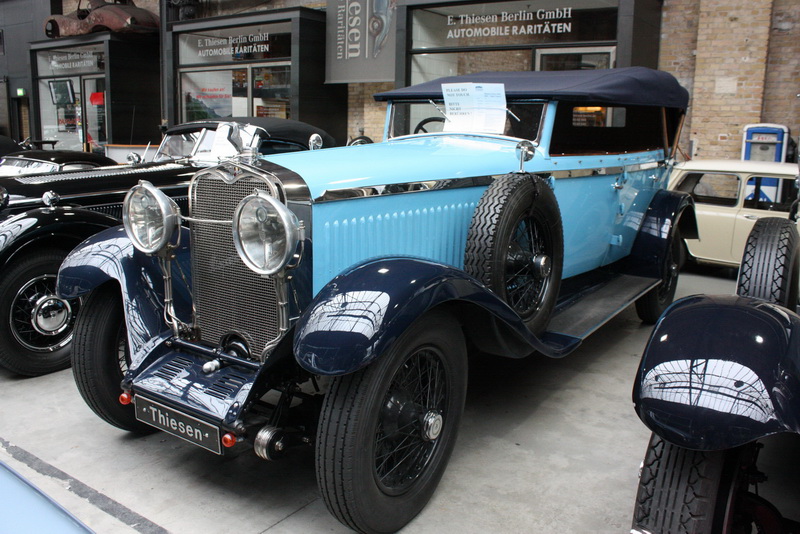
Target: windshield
18, 166
209, 145
523, 119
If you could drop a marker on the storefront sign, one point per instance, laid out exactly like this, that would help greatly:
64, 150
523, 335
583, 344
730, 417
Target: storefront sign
227, 48
360, 41
224, 45
523, 22
516, 22
70, 61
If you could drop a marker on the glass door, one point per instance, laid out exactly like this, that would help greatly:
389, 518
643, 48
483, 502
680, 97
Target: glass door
94, 107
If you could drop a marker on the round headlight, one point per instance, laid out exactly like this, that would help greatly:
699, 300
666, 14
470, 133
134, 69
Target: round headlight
265, 233
150, 217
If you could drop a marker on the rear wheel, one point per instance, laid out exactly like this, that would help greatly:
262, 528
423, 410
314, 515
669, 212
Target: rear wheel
100, 357
386, 432
770, 268
652, 304
35, 323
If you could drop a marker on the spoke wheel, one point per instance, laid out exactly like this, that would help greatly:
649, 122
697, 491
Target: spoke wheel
36, 325
387, 431
652, 304
515, 246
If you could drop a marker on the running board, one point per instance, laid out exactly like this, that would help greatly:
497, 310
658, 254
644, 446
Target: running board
599, 304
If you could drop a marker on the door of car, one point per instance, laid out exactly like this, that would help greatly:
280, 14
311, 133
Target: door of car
717, 197
764, 196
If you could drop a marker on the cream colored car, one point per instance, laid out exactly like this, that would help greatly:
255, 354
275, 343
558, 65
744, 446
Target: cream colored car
730, 196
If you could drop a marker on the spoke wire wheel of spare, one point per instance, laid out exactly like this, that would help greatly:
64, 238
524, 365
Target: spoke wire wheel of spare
515, 246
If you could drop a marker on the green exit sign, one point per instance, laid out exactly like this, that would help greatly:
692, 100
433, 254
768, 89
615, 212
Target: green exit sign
22, 92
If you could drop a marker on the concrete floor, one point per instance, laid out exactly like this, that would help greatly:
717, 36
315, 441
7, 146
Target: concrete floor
546, 446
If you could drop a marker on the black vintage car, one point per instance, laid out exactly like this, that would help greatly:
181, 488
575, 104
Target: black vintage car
46, 161
43, 216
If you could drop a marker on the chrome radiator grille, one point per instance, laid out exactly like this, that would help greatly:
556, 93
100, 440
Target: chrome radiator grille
228, 297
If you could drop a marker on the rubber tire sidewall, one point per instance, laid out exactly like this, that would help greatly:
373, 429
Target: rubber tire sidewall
770, 267
94, 359
499, 211
346, 432
14, 356
651, 305
684, 491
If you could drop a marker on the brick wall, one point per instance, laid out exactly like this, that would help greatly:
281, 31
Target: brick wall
740, 60
365, 115
782, 87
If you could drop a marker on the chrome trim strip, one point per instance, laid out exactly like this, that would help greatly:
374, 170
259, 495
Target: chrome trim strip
351, 193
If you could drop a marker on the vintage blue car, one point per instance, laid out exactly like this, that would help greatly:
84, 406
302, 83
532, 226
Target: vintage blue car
719, 374
331, 299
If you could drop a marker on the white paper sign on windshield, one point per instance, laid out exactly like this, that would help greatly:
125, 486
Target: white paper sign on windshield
475, 107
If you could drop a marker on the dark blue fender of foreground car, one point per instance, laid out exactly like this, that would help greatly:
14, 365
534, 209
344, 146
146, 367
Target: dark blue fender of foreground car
734, 381
719, 374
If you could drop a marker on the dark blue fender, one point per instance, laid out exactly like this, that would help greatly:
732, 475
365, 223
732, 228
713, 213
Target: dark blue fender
357, 315
109, 255
719, 372
651, 246
62, 227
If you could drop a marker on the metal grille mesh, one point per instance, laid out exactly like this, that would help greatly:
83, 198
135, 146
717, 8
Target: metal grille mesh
228, 296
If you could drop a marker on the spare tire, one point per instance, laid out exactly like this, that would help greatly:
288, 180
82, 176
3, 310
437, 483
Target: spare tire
515, 246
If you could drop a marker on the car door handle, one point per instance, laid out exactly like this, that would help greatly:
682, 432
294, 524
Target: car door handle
751, 217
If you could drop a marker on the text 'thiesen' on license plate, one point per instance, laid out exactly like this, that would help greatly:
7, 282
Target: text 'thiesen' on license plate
178, 424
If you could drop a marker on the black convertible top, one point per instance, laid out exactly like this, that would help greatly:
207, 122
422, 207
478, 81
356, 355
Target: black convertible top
284, 129
630, 85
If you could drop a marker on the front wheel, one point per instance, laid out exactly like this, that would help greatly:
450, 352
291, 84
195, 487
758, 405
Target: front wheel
100, 357
35, 323
699, 492
386, 432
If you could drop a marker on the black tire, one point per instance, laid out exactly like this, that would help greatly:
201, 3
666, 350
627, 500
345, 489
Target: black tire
515, 246
29, 346
652, 304
771, 262
364, 483
100, 357
683, 491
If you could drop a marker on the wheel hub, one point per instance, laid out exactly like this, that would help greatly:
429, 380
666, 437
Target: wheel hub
542, 265
51, 315
432, 424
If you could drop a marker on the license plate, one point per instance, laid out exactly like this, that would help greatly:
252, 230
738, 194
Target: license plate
178, 424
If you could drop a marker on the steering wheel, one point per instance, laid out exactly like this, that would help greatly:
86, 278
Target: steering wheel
421, 124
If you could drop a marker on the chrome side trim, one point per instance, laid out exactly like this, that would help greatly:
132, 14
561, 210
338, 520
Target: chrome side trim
350, 193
